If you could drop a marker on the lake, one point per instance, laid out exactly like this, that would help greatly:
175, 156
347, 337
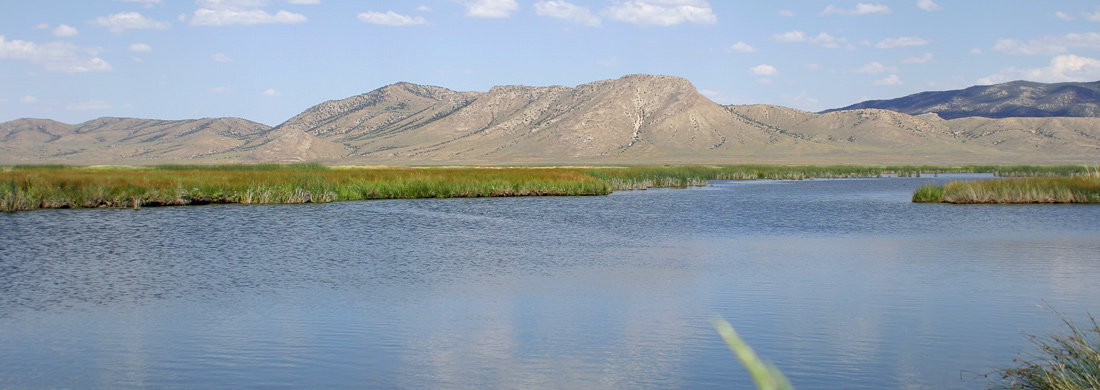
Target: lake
843, 284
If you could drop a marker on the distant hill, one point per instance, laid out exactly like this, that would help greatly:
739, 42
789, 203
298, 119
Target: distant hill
636, 119
1017, 99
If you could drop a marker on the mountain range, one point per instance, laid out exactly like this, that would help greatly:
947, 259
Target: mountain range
636, 119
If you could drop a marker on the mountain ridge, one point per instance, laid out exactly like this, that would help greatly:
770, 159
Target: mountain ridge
634, 119
1006, 100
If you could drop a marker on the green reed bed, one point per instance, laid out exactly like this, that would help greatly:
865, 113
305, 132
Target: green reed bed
1063, 361
38, 187
1071, 189
32, 188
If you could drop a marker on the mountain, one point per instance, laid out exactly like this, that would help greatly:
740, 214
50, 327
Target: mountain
108, 140
1009, 100
636, 119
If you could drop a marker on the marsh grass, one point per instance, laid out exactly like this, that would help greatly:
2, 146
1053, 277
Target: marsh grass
1063, 361
1081, 188
56, 186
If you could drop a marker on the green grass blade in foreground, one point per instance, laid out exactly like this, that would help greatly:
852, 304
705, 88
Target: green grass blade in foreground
766, 375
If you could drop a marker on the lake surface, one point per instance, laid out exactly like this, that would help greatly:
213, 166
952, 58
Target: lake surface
843, 284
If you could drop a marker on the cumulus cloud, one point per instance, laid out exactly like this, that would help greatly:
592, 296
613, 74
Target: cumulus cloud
567, 11
803, 101
764, 70
245, 12
860, 9
742, 47
272, 92
220, 90
89, 105
147, 3
1049, 45
1065, 68
926, 58
65, 31
221, 58
822, 39
120, 22
140, 48
891, 43
1064, 16
889, 81
662, 12
1091, 16
876, 68
928, 5
490, 8
55, 56
391, 18
28, 99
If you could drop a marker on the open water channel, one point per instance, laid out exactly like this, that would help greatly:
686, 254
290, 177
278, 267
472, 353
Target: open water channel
843, 284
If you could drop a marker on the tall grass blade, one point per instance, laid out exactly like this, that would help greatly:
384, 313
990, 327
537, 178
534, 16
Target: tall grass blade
766, 375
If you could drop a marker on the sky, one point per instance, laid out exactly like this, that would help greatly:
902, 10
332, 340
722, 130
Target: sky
268, 60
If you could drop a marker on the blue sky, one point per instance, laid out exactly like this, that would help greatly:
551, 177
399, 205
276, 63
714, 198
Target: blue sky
268, 60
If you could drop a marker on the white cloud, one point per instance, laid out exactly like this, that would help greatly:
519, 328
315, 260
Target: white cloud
220, 90
221, 58
272, 92
1092, 17
764, 70
148, 3
490, 8
28, 99
42, 26
55, 56
742, 47
120, 22
822, 39
928, 5
891, 43
861, 9
790, 36
662, 12
876, 68
1064, 16
1049, 45
89, 105
926, 58
424, 8
786, 13
976, 50
610, 63
567, 11
391, 18
890, 81
803, 101
1064, 68
140, 48
245, 12
65, 31
303, 1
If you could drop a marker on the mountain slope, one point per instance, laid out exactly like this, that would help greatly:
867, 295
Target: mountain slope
1014, 99
636, 119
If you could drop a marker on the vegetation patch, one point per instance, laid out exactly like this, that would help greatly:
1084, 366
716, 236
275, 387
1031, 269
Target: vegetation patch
1080, 188
1067, 360
56, 186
